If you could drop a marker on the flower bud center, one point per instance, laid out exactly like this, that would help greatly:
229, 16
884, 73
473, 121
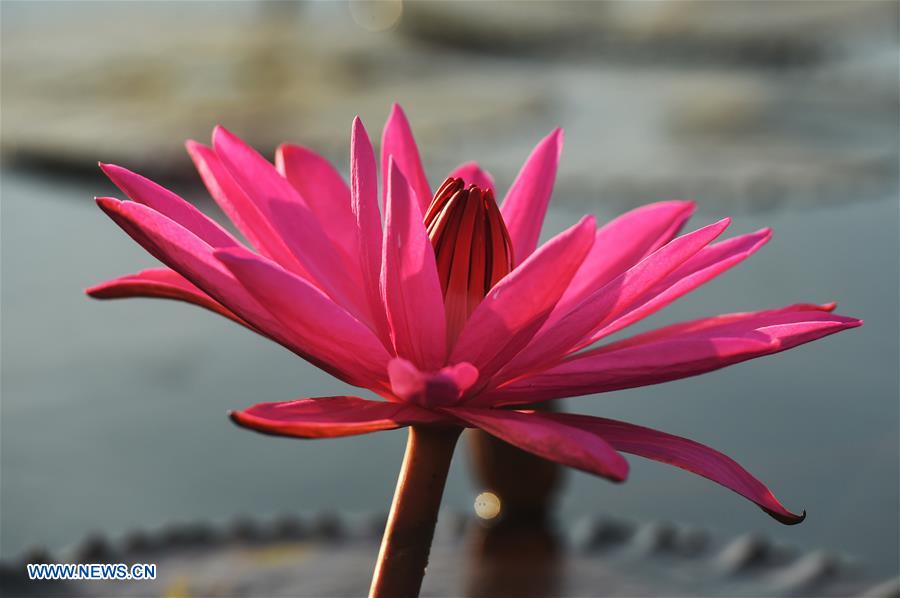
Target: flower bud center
471, 246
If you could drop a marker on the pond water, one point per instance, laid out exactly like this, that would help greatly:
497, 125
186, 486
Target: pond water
113, 413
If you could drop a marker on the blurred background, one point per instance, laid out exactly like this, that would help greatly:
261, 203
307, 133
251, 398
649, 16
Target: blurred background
778, 114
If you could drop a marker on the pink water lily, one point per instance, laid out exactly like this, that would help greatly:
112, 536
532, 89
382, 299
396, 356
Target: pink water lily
449, 310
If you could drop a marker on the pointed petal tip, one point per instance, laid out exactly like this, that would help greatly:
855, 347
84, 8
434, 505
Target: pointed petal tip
556, 137
192, 144
112, 170
281, 152
588, 221
845, 322
358, 133
108, 203
235, 417
99, 291
239, 418
760, 237
231, 255
619, 471
394, 170
397, 114
718, 227
786, 518
685, 207
287, 149
222, 135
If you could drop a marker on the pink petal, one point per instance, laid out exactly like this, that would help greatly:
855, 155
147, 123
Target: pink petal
472, 174
410, 284
605, 304
330, 417
160, 283
293, 220
314, 322
703, 267
701, 324
526, 201
398, 141
186, 254
364, 205
515, 308
324, 191
165, 202
240, 209
622, 243
675, 352
430, 389
686, 454
182, 251
548, 438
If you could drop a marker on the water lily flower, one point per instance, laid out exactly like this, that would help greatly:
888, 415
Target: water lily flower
449, 310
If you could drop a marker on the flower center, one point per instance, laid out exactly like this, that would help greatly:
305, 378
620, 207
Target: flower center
471, 246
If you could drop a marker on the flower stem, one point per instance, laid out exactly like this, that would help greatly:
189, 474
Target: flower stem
410, 526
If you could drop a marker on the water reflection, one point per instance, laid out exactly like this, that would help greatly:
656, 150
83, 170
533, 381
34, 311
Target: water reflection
515, 557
